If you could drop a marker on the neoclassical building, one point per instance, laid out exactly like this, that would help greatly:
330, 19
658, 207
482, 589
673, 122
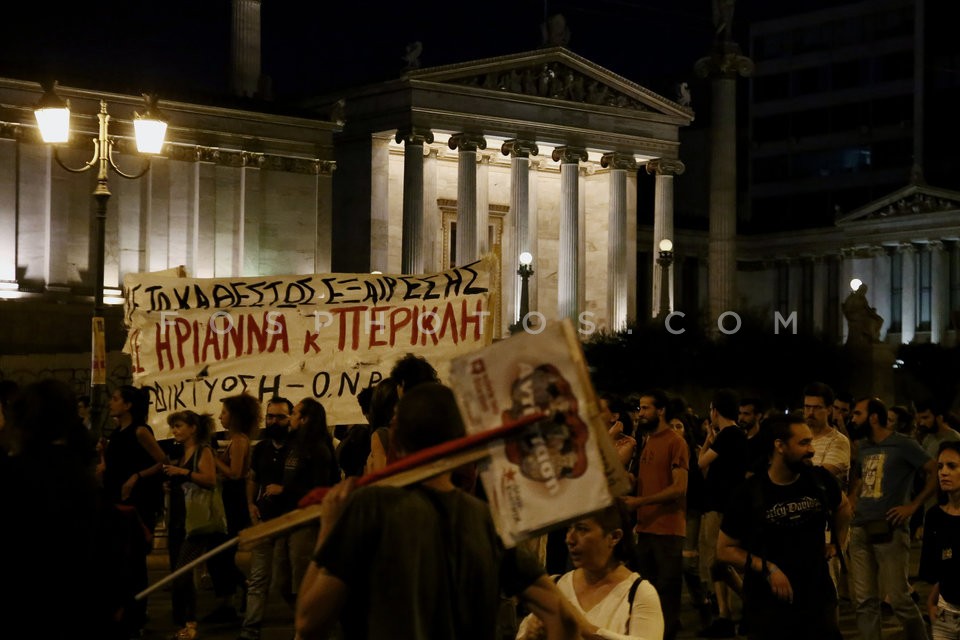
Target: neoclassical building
233, 192
533, 152
905, 247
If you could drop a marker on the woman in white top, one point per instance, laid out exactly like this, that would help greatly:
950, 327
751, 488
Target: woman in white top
613, 602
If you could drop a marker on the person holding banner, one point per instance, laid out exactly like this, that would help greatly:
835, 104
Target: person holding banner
420, 562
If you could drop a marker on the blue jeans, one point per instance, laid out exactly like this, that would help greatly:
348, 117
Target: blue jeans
873, 565
268, 562
282, 561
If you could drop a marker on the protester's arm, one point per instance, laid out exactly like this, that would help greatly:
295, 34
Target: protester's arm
837, 459
841, 523
149, 443
252, 496
323, 594
932, 600
319, 601
902, 514
671, 493
560, 619
206, 473
707, 453
730, 551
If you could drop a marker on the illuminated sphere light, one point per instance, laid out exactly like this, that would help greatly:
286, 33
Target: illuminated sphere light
526, 258
666, 245
855, 284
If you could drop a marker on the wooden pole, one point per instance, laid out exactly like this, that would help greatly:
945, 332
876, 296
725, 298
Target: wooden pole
411, 469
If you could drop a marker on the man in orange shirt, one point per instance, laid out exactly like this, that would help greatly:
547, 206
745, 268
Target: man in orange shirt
660, 502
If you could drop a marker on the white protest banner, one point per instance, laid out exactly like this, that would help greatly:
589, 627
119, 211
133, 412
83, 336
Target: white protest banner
195, 341
559, 468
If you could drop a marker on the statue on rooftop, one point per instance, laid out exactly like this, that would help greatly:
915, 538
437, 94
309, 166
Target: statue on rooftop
863, 321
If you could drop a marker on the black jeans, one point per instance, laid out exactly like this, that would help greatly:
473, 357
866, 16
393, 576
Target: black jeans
661, 562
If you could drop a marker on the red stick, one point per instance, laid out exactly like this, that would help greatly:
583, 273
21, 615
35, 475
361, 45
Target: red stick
430, 454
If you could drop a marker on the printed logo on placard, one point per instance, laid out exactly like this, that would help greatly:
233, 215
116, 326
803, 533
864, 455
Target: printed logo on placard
555, 447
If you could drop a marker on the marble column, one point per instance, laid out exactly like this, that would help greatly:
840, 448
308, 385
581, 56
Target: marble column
939, 291
724, 63
520, 152
617, 276
908, 293
9, 158
483, 203
880, 288
664, 169
411, 255
954, 270
468, 240
432, 216
245, 48
567, 268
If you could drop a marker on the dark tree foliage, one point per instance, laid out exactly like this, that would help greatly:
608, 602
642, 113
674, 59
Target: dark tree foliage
755, 359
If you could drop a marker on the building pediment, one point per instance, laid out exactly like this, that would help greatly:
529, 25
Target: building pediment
912, 200
554, 74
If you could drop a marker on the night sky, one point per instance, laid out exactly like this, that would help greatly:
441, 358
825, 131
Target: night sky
180, 48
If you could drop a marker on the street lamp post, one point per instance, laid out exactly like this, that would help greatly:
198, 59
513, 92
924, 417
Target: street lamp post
53, 120
665, 260
524, 271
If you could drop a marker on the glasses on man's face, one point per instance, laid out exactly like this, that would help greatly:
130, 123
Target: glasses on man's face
813, 407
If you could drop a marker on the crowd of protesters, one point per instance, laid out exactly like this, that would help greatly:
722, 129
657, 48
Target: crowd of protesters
769, 517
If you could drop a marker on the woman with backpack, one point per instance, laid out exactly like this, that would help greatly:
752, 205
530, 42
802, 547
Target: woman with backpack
615, 601
196, 502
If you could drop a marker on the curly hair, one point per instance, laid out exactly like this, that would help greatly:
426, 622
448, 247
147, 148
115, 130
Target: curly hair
244, 412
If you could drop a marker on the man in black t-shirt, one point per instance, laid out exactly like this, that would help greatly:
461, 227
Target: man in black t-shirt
723, 461
773, 528
269, 559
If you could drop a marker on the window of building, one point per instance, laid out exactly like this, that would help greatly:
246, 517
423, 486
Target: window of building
891, 154
894, 66
896, 290
845, 75
773, 87
771, 128
813, 122
775, 45
924, 280
892, 23
807, 81
848, 31
850, 117
771, 169
897, 110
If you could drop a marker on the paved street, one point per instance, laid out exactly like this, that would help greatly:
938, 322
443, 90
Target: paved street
278, 623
